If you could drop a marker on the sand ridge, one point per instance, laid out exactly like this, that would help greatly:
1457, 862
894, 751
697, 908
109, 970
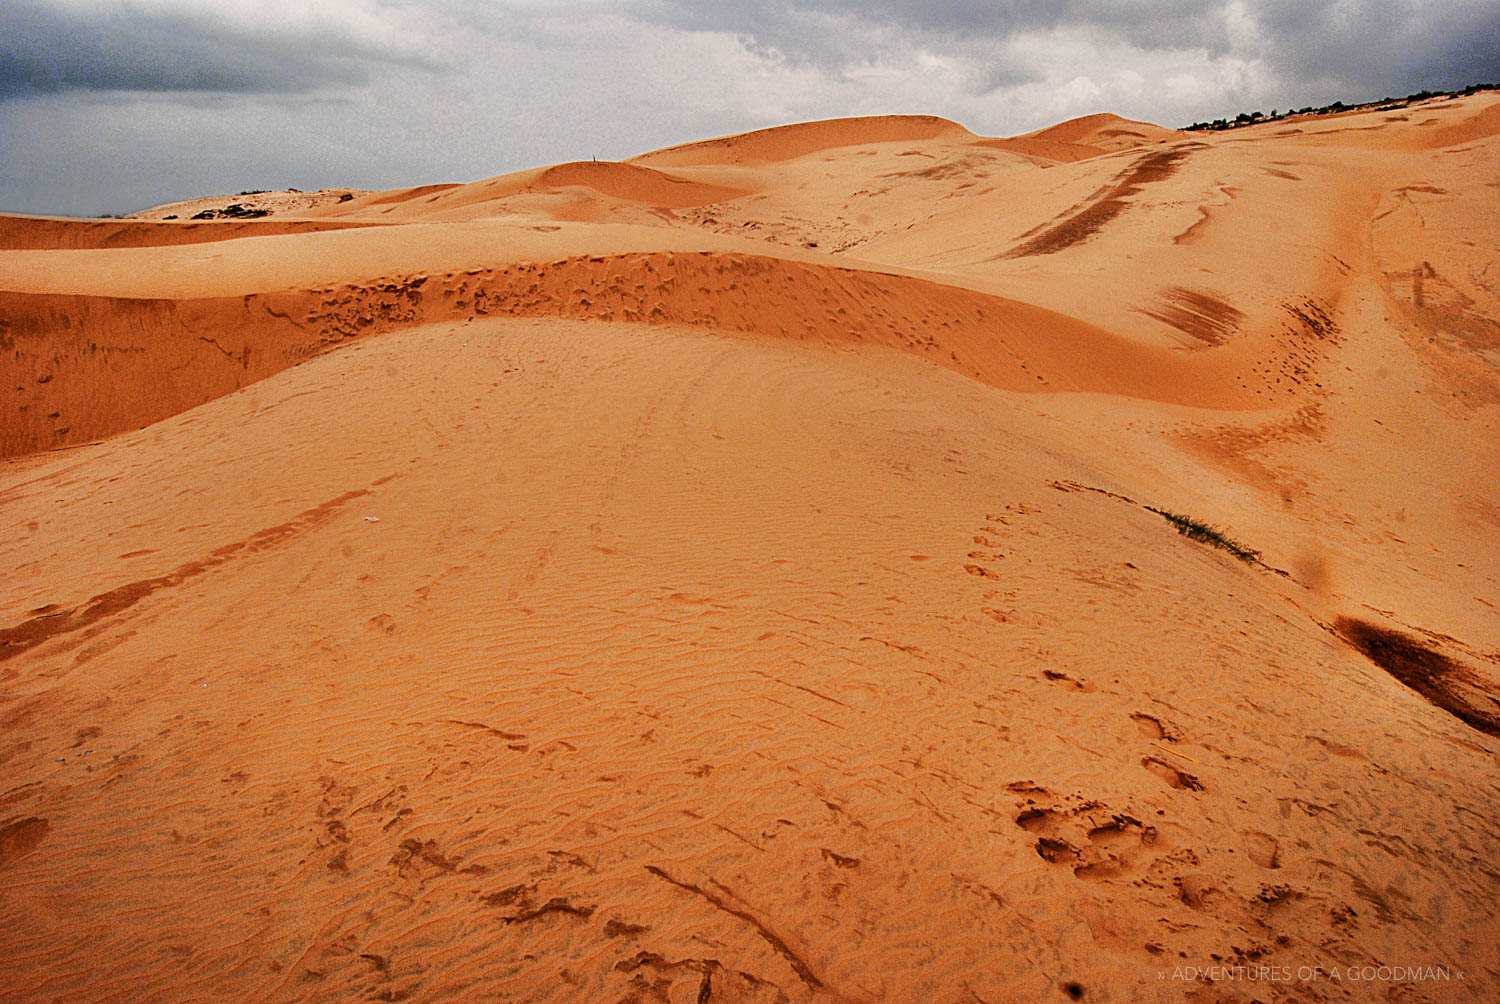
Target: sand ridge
109, 386
804, 138
42, 233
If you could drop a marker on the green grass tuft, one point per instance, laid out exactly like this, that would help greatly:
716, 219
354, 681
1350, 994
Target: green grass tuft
1198, 530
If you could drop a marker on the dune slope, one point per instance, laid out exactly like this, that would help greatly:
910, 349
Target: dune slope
579, 591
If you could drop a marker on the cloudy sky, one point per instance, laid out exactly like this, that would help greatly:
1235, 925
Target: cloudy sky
108, 106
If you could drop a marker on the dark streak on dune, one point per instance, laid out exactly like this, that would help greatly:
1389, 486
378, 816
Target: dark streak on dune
1084, 223
31, 633
1444, 682
1204, 316
1314, 320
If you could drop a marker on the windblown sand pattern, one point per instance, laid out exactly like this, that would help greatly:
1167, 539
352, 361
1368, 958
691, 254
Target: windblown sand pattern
740, 574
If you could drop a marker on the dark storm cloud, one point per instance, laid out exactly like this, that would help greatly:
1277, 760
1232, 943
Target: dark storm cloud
791, 26
49, 47
1387, 46
1361, 45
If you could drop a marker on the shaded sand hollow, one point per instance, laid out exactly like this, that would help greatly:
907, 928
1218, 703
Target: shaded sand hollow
740, 574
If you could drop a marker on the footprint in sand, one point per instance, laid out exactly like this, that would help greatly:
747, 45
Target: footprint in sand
1067, 682
19, 837
1095, 842
1263, 849
1150, 727
1174, 778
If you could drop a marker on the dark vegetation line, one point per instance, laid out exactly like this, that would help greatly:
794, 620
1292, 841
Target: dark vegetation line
1384, 104
1195, 529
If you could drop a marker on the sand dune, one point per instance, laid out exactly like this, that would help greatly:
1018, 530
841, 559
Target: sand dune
1106, 132
42, 233
753, 572
805, 138
1483, 124
86, 367
1083, 138
289, 202
628, 183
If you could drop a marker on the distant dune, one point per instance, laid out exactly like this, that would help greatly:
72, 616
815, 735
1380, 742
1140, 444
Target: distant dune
43, 233
857, 560
789, 142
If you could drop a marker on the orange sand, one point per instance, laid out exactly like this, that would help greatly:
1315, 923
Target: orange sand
732, 575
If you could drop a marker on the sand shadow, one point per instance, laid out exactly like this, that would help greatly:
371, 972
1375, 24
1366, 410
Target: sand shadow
1448, 684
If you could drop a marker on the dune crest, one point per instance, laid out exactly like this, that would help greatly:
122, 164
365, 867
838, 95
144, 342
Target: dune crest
84, 365
787, 142
1105, 131
42, 233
